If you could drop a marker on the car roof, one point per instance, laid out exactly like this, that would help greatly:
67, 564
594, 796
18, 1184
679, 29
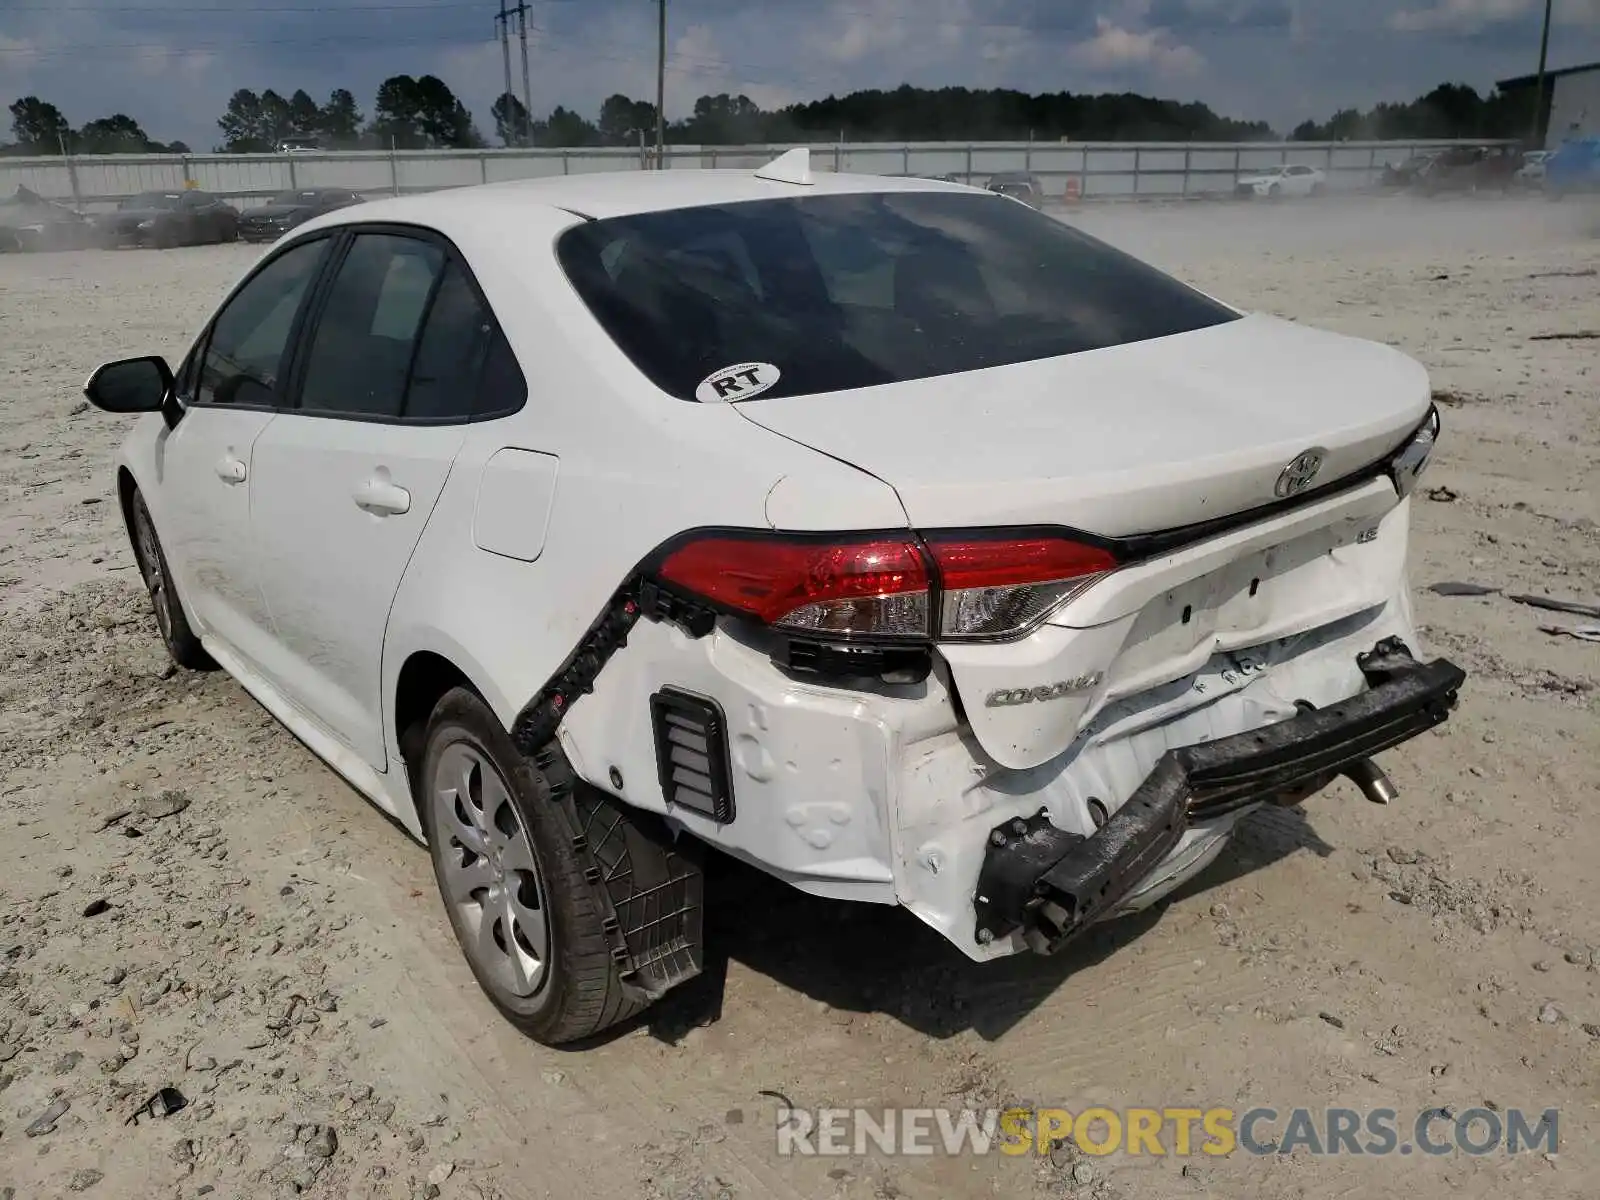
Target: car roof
602, 194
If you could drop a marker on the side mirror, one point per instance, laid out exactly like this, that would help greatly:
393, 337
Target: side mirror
130, 385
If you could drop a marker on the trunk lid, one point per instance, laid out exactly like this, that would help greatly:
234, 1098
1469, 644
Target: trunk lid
1130, 439
1135, 439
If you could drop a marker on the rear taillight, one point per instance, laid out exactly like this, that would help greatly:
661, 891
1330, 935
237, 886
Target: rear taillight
868, 588
996, 587
955, 586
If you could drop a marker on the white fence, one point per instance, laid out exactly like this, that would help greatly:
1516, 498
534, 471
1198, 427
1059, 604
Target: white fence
1096, 170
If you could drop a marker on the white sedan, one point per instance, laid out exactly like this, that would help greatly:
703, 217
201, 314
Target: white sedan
1287, 181
886, 534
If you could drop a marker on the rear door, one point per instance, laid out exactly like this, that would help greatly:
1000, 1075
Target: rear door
346, 480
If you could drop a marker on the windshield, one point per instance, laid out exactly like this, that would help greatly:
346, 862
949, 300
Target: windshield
1265, 170
850, 291
295, 198
152, 200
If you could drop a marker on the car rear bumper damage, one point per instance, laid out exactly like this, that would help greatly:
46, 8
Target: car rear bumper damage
1050, 884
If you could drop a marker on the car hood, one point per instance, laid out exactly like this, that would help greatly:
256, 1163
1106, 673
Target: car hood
271, 212
1131, 439
1261, 178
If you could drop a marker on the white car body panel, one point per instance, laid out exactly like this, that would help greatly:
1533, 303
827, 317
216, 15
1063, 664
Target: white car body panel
1125, 440
331, 552
517, 532
202, 507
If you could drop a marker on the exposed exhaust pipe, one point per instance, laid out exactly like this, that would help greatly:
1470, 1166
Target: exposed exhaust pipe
1374, 784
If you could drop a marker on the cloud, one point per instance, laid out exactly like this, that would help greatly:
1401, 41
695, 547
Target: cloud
172, 64
1468, 17
1114, 48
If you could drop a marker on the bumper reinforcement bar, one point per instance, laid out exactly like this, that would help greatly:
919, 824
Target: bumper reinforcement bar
1053, 884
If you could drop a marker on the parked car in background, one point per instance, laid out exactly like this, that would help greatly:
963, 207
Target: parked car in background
1290, 180
299, 146
1531, 173
1019, 185
183, 217
1403, 174
289, 209
885, 534
28, 221
1470, 169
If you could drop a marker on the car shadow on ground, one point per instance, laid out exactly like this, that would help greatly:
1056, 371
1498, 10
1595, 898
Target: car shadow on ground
864, 958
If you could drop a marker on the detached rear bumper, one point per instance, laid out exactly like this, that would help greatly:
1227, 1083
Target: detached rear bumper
1052, 884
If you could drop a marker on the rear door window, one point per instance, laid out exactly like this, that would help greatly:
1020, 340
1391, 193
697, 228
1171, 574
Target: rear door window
848, 291
360, 354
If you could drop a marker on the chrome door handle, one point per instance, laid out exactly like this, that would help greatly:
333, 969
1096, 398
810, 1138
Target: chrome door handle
382, 497
231, 470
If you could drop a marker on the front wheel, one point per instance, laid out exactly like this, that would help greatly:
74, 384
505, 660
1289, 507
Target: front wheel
179, 638
511, 873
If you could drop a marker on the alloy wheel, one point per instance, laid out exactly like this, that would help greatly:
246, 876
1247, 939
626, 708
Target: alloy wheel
490, 874
155, 578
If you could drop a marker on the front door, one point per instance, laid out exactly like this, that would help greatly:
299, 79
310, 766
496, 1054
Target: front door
230, 391
345, 481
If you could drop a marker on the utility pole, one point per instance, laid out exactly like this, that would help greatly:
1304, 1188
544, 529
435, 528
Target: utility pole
503, 21
661, 85
1535, 141
527, 94
503, 25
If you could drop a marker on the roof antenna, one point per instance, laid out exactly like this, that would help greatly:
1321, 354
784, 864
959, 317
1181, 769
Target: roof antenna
793, 166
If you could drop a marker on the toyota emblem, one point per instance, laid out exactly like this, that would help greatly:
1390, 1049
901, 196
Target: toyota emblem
1298, 475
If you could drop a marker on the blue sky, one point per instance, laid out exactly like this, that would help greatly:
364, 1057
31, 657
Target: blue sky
172, 64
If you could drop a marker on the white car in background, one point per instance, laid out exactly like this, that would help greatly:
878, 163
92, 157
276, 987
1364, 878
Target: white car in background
884, 533
1290, 180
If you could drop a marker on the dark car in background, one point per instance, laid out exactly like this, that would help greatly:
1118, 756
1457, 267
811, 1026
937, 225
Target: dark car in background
28, 221
1019, 185
1471, 169
288, 209
181, 217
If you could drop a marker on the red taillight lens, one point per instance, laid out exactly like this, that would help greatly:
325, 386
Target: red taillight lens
1002, 587
992, 587
876, 588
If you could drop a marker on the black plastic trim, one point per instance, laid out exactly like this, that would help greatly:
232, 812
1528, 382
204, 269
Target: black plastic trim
706, 713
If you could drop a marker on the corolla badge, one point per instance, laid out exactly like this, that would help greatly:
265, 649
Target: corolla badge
1298, 475
1006, 697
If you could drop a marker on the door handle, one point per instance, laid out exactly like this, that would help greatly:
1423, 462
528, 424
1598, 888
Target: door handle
231, 470
384, 498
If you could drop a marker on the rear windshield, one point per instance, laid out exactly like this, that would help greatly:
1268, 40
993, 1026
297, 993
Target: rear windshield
841, 292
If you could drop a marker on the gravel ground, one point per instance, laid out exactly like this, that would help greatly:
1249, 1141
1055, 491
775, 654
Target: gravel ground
193, 901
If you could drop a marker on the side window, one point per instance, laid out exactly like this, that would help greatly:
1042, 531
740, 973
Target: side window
246, 352
360, 354
454, 355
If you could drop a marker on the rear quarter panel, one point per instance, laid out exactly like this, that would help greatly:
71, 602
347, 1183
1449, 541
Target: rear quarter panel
636, 467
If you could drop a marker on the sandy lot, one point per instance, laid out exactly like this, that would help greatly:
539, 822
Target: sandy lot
275, 950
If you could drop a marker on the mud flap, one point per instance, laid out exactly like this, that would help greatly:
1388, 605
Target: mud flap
651, 887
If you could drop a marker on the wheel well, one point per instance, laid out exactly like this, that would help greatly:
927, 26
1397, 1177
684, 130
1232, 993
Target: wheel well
424, 679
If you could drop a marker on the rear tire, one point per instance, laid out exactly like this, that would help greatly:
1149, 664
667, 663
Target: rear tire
511, 874
179, 639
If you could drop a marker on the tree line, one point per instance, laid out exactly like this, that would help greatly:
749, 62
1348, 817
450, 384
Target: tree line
40, 128
421, 112
1451, 110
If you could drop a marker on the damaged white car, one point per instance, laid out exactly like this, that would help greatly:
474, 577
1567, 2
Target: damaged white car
884, 533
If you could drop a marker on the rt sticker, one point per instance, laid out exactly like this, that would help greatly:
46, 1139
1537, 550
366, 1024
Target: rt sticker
738, 382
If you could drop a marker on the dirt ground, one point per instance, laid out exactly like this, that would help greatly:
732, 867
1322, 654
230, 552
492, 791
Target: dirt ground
274, 949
